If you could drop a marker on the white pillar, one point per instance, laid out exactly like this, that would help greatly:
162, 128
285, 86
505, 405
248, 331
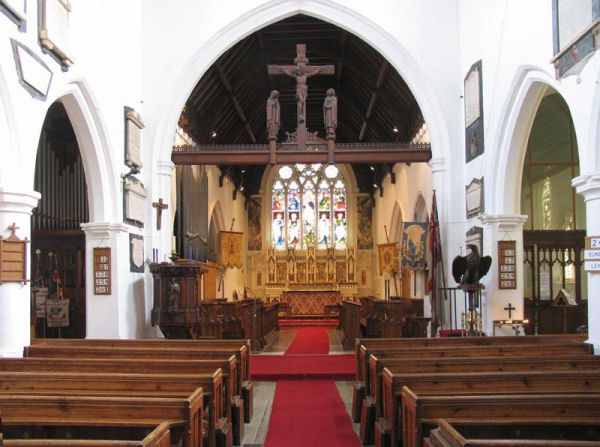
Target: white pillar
499, 228
163, 240
15, 298
106, 315
589, 187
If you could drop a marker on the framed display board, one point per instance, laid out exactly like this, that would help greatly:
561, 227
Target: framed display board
507, 264
102, 278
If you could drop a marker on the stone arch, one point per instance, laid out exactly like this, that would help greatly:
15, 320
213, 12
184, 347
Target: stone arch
396, 224
420, 212
8, 136
527, 90
94, 147
345, 18
216, 224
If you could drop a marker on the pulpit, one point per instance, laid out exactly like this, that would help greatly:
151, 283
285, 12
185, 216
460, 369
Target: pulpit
177, 297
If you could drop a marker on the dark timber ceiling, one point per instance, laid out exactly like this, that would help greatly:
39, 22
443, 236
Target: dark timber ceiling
374, 103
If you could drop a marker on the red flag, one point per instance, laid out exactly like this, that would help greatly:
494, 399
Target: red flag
436, 258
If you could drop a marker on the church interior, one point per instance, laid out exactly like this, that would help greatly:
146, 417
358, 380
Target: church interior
299, 222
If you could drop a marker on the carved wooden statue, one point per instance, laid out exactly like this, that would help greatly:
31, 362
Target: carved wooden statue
330, 113
273, 115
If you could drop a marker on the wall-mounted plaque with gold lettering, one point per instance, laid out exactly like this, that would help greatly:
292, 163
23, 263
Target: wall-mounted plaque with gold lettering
102, 278
507, 265
54, 30
13, 257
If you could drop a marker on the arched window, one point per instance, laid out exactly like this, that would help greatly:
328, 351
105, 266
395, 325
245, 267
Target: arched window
308, 207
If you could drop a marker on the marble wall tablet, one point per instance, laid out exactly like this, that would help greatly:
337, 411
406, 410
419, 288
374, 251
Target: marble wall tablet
473, 112
136, 253
34, 74
474, 197
15, 10
475, 237
135, 201
133, 138
54, 29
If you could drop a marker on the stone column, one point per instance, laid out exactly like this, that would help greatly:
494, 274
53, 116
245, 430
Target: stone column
106, 314
15, 298
589, 187
162, 239
499, 228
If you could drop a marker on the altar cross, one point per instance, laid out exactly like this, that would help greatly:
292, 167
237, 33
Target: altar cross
510, 308
301, 72
13, 228
160, 206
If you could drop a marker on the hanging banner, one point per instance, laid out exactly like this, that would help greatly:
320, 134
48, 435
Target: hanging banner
231, 249
387, 258
57, 313
40, 296
413, 245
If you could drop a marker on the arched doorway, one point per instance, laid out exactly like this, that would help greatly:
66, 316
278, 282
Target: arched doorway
57, 241
553, 236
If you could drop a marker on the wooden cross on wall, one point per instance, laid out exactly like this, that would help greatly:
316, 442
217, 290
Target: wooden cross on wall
510, 308
160, 206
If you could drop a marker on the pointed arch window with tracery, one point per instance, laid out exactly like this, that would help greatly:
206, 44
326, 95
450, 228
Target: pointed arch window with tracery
308, 207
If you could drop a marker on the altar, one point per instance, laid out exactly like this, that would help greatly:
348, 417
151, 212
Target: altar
305, 303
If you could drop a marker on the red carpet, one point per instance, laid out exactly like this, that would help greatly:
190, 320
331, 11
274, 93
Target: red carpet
309, 413
295, 367
310, 340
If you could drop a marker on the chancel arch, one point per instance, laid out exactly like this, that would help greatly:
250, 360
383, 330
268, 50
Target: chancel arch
553, 235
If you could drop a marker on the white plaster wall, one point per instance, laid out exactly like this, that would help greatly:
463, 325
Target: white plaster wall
411, 182
230, 209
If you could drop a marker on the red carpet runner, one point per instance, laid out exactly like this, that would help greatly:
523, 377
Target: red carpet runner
309, 413
310, 340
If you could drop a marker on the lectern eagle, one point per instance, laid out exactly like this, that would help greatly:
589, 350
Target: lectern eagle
471, 268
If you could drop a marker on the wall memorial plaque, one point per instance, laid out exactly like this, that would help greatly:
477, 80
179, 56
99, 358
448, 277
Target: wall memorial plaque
102, 271
15, 10
54, 30
475, 237
474, 197
135, 201
507, 264
133, 137
13, 258
136, 253
473, 112
34, 74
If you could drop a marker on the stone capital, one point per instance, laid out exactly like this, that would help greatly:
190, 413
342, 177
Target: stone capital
588, 186
504, 222
18, 201
100, 230
437, 164
164, 167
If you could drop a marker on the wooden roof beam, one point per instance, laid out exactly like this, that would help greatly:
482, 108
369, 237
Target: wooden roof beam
373, 101
234, 101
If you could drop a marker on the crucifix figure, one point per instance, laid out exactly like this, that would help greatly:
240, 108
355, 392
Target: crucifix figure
510, 308
13, 229
160, 206
301, 72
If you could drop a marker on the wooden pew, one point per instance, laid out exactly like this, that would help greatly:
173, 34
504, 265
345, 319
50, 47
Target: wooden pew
469, 364
137, 366
421, 410
130, 385
467, 383
183, 415
361, 389
466, 347
350, 322
159, 437
445, 435
148, 353
241, 353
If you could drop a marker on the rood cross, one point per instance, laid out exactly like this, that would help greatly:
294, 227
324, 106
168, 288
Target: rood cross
160, 206
301, 72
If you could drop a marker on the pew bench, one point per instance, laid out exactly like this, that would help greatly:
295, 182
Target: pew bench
446, 435
159, 437
141, 366
473, 383
129, 385
182, 415
422, 411
361, 387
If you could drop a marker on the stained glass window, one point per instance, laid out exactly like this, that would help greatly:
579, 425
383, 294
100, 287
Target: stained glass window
308, 207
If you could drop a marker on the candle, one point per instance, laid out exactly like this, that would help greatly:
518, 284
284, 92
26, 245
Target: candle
174, 243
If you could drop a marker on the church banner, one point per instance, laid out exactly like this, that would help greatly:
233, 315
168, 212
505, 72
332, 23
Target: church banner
231, 249
57, 313
387, 258
413, 245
